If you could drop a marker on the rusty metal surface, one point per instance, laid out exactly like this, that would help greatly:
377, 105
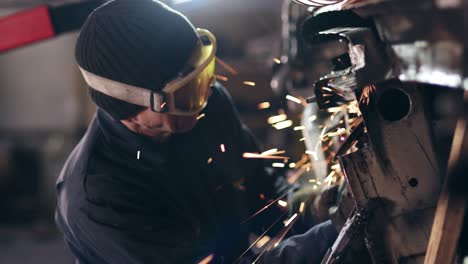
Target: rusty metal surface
398, 169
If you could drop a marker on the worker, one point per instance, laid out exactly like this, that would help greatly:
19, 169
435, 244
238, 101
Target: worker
159, 175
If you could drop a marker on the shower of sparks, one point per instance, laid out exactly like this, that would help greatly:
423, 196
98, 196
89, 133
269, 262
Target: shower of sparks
269, 152
249, 155
286, 223
301, 207
338, 132
162, 105
315, 181
277, 118
277, 239
366, 94
302, 139
278, 152
277, 61
261, 236
209, 160
200, 116
221, 77
321, 137
138, 155
336, 109
206, 260
294, 99
312, 118
329, 178
262, 241
263, 105
292, 165
296, 175
226, 66
353, 108
313, 153
283, 124
223, 149
282, 203
264, 208
249, 83
278, 165
302, 161
299, 128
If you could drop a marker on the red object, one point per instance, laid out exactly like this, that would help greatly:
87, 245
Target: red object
25, 27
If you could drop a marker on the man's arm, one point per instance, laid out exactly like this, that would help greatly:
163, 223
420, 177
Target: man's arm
102, 241
309, 247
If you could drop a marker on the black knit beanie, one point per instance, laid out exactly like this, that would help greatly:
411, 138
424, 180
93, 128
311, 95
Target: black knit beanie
137, 42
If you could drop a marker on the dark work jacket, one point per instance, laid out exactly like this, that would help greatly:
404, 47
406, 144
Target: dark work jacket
170, 205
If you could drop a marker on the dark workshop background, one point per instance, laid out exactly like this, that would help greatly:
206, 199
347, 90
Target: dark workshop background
44, 110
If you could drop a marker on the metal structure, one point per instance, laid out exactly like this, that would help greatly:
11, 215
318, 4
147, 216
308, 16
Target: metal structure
399, 60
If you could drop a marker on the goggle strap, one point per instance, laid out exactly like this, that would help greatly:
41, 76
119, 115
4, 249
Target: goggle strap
158, 102
125, 92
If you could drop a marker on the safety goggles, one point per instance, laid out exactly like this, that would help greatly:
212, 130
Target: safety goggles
187, 94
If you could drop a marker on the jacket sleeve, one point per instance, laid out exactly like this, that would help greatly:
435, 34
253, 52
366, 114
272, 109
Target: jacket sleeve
102, 241
309, 247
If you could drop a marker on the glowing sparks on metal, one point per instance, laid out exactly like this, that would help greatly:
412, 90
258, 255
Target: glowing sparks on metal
312, 118
249, 83
263, 105
200, 116
366, 94
223, 148
249, 155
262, 241
290, 219
207, 260
301, 207
282, 203
269, 152
294, 99
277, 165
283, 124
277, 118
221, 77
264, 208
329, 178
226, 66
313, 153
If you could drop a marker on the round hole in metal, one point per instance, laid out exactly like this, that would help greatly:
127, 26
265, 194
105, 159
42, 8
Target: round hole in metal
394, 104
413, 182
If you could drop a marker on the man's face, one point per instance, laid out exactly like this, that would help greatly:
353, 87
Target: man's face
159, 126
